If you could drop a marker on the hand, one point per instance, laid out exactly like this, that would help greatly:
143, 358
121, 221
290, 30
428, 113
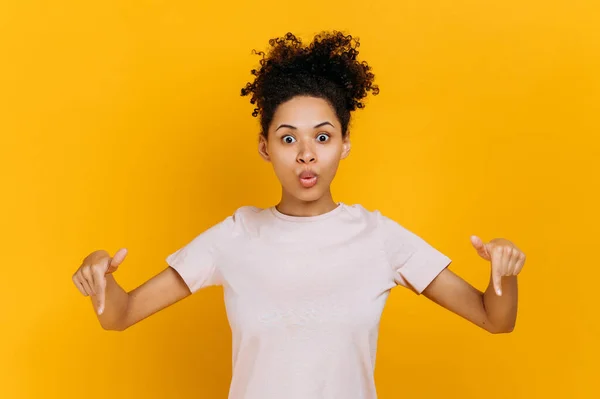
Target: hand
90, 278
506, 258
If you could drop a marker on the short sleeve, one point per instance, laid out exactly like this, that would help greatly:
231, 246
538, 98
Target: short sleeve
196, 262
414, 262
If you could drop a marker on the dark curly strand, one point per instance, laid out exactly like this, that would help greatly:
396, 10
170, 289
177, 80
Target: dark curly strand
327, 68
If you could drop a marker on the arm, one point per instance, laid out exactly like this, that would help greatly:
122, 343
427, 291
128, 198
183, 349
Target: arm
495, 314
496, 309
117, 309
122, 309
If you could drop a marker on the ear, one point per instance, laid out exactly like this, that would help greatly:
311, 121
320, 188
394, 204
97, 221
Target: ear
262, 148
346, 145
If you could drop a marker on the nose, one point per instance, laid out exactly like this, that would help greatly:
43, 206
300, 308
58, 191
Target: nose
306, 154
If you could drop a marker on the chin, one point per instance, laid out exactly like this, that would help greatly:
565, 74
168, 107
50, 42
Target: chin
305, 194
310, 194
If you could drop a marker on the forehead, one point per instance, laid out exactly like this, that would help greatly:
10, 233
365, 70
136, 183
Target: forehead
305, 111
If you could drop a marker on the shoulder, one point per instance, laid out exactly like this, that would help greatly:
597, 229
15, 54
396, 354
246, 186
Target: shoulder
388, 228
246, 212
358, 211
244, 219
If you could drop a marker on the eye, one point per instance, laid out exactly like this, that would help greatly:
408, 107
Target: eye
286, 137
322, 135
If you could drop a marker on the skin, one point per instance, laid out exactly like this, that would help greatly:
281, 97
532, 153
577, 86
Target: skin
291, 149
297, 142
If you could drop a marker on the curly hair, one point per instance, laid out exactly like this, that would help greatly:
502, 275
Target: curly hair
327, 68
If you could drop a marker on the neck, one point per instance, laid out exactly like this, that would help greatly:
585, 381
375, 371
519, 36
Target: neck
293, 206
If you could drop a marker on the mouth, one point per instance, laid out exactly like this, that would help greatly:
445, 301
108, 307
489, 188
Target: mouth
308, 179
308, 182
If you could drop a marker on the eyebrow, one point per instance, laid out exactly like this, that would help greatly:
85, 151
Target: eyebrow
295, 128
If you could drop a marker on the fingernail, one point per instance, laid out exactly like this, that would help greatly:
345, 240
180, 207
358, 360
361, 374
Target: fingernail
100, 310
499, 292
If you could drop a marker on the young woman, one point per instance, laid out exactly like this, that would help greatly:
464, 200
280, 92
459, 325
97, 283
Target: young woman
305, 281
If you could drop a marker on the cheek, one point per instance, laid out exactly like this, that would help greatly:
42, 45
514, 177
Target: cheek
282, 159
283, 165
330, 159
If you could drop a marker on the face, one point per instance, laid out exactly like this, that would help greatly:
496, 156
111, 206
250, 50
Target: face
305, 146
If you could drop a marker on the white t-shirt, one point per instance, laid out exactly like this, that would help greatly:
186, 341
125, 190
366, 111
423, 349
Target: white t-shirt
304, 295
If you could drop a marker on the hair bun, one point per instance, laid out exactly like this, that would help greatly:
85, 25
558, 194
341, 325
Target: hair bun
327, 67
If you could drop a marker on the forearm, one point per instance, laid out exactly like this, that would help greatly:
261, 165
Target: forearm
502, 310
115, 307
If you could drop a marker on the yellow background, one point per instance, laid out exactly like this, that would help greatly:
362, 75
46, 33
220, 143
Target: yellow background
122, 124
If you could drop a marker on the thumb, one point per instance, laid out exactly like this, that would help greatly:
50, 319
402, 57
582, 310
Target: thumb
117, 260
480, 247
